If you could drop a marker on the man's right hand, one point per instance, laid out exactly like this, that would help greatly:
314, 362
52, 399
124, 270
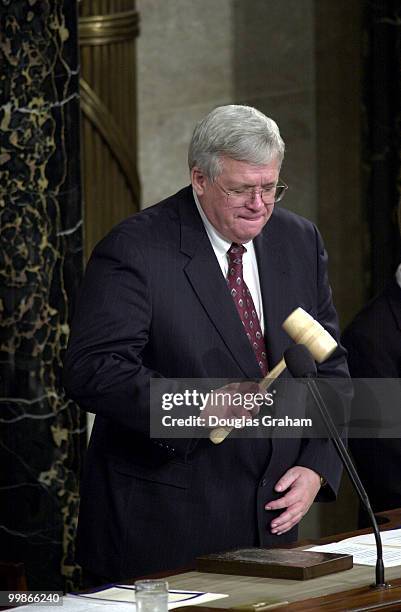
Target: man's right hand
234, 400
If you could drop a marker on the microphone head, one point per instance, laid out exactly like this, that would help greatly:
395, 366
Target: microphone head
299, 361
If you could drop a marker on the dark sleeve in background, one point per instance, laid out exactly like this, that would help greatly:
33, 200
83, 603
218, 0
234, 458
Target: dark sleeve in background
373, 341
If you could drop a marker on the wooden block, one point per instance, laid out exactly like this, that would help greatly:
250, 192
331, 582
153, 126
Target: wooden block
274, 563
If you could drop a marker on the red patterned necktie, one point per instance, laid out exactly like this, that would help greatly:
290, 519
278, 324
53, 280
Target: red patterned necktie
244, 303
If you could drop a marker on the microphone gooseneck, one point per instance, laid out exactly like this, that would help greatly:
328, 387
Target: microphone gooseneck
301, 364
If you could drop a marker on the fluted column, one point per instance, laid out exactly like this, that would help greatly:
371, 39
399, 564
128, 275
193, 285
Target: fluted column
107, 32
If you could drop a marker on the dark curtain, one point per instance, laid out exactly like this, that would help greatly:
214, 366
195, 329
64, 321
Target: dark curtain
382, 146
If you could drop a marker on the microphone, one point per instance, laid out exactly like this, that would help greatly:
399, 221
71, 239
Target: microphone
301, 364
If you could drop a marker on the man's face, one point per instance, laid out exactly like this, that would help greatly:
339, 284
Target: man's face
234, 219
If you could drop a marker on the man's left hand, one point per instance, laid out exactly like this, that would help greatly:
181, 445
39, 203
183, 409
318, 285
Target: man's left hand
301, 485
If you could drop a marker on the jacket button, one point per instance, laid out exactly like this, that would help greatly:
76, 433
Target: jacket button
264, 482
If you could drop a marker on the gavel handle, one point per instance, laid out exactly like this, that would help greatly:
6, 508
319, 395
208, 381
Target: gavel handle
219, 434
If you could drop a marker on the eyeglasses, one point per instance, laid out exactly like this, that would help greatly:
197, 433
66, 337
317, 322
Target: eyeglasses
241, 197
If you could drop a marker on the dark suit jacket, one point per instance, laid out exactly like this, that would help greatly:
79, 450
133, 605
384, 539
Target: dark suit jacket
373, 341
154, 303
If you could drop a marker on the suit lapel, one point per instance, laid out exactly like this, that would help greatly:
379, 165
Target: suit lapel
204, 274
272, 271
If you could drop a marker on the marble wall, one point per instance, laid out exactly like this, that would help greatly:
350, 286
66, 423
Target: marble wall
40, 265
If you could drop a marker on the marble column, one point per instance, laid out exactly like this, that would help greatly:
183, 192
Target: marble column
42, 433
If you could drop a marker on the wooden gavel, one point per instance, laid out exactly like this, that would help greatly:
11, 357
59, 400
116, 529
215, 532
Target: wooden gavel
303, 329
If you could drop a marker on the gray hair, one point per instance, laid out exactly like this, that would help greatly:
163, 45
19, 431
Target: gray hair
240, 132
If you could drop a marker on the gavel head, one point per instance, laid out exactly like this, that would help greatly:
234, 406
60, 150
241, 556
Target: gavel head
304, 329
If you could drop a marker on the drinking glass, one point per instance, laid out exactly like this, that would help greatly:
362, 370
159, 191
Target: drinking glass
151, 595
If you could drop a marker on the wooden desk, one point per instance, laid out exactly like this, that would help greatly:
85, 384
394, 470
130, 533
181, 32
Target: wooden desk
345, 591
349, 590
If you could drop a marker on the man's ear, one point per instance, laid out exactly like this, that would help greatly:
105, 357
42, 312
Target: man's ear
198, 180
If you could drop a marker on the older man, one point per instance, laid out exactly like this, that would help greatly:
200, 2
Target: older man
158, 301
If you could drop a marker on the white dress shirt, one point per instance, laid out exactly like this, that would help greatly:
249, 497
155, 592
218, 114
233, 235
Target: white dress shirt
250, 265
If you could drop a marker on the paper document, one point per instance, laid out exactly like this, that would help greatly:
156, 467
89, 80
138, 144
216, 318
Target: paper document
363, 548
71, 603
176, 598
389, 538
